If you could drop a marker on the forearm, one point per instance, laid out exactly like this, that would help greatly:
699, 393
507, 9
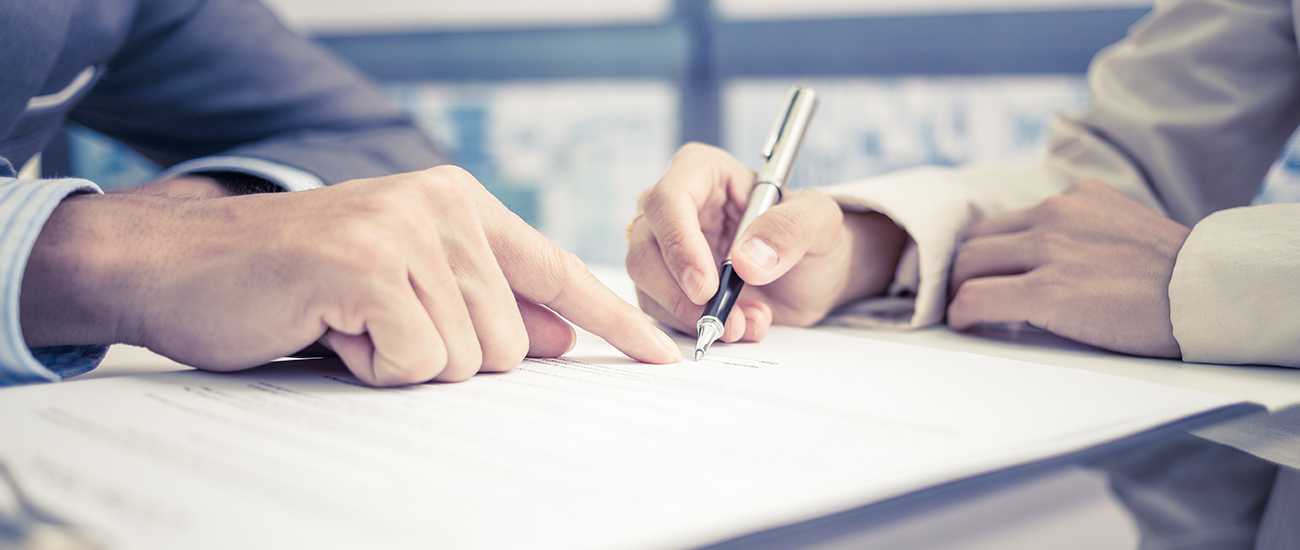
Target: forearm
78, 274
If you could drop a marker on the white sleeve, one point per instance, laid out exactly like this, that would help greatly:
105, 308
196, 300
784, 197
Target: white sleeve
934, 206
1189, 111
1235, 293
25, 205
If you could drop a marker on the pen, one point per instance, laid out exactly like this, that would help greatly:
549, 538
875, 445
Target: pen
779, 149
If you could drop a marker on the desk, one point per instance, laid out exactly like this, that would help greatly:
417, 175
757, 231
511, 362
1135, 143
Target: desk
1068, 507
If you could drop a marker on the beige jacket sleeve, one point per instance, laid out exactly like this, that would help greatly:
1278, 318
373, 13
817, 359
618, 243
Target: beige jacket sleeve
1188, 114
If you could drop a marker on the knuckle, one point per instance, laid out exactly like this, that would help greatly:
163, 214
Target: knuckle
639, 254
457, 195
960, 293
1037, 239
1044, 282
451, 187
1053, 206
434, 204
660, 313
401, 374
463, 363
693, 148
516, 349
505, 355
450, 175
383, 214
454, 186
780, 227
655, 202
1048, 245
825, 208
1068, 210
644, 196
961, 310
674, 245
1056, 242
957, 310
569, 266
382, 202
555, 268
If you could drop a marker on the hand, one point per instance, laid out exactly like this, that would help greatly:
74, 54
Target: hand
409, 278
800, 259
1091, 265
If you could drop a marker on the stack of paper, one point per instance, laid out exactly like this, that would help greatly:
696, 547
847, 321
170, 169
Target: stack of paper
589, 451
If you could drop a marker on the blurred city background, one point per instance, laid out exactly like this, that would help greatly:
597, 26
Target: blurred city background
568, 109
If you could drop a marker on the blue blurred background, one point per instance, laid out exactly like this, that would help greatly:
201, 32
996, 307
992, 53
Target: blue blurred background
568, 109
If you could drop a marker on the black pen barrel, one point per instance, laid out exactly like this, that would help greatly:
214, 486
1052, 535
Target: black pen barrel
729, 285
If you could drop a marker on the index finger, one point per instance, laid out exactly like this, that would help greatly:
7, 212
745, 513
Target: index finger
591, 305
543, 273
691, 199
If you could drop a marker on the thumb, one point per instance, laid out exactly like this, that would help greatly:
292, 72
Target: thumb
805, 223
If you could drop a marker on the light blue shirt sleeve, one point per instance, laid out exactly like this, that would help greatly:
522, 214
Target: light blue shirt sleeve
25, 205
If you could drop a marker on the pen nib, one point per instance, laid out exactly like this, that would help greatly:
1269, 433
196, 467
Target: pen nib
710, 329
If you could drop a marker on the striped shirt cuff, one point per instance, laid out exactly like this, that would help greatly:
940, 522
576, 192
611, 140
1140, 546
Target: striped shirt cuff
287, 177
25, 206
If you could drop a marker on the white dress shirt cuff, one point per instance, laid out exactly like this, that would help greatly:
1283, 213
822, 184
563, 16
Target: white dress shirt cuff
287, 177
933, 206
1233, 296
25, 206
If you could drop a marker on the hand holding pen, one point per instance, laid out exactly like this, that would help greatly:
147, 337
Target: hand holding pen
799, 260
779, 151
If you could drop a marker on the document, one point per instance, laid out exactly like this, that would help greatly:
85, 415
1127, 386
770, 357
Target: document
591, 450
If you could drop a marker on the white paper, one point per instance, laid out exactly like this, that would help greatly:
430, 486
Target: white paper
590, 451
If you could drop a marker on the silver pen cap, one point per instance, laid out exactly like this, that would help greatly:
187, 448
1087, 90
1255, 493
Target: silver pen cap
779, 151
786, 135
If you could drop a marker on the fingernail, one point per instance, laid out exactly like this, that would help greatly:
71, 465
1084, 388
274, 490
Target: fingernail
692, 281
573, 340
669, 345
761, 253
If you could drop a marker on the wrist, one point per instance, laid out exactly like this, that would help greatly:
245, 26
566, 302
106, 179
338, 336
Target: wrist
874, 244
82, 276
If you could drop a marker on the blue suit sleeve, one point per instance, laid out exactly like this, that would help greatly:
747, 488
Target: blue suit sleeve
202, 78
